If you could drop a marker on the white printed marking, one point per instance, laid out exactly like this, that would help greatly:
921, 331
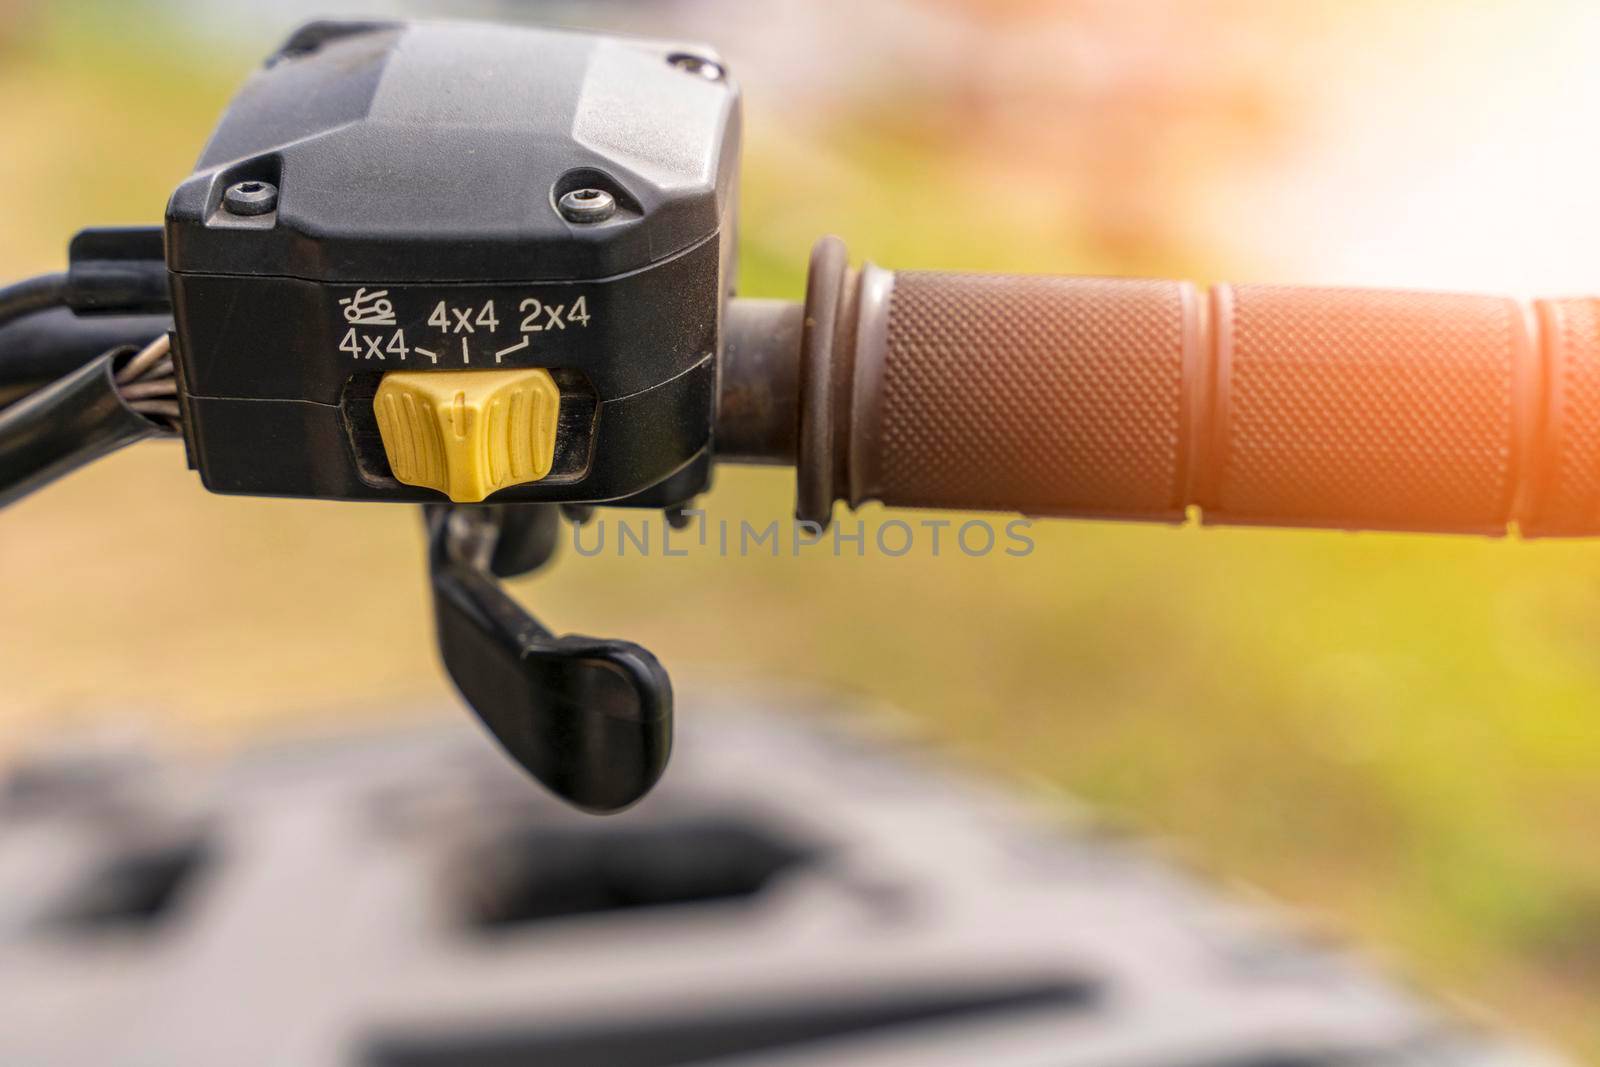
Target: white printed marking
419, 350
465, 356
554, 321
463, 325
368, 309
513, 348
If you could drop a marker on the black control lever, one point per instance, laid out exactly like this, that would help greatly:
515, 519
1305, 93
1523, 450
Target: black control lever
590, 718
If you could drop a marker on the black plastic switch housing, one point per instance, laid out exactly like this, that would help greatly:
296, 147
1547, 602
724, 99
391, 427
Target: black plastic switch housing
398, 206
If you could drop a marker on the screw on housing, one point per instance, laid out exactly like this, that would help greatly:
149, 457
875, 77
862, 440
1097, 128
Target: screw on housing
587, 205
251, 198
709, 69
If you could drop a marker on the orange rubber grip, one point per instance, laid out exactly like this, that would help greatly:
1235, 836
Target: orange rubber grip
1257, 404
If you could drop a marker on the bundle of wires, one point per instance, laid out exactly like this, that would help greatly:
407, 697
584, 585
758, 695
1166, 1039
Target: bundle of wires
95, 407
148, 384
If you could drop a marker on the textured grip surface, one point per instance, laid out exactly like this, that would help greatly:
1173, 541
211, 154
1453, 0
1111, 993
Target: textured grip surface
1567, 487
1260, 404
1046, 395
1343, 407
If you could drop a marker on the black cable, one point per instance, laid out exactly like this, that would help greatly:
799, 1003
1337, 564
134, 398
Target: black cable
34, 294
38, 349
65, 425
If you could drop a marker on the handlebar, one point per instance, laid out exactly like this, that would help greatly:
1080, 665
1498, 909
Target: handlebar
1255, 404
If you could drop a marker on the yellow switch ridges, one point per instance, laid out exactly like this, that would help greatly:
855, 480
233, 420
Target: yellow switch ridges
468, 433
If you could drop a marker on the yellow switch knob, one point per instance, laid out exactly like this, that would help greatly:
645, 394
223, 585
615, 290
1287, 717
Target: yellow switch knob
468, 433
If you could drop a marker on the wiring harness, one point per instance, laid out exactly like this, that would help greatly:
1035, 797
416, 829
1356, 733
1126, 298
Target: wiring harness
61, 406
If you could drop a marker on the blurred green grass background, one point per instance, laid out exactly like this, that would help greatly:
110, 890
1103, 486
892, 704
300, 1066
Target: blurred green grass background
1397, 734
